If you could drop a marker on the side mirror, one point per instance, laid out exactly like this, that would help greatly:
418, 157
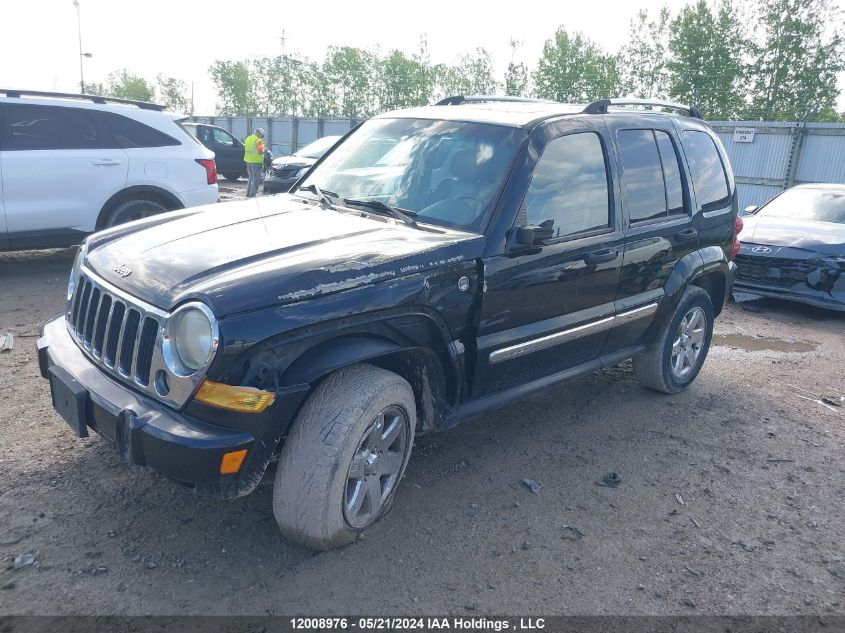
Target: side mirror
750, 210
535, 234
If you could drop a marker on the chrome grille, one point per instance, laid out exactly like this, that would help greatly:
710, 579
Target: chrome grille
116, 333
127, 339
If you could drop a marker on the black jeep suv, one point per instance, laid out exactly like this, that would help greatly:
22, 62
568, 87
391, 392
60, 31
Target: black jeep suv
438, 263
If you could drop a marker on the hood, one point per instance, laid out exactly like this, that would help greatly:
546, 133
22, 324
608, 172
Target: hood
294, 161
827, 238
260, 252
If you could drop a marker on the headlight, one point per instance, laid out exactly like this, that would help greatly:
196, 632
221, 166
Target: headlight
74, 272
191, 339
302, 171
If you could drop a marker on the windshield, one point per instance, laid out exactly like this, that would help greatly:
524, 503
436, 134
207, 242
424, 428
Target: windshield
445, 172
808, 204
318, 147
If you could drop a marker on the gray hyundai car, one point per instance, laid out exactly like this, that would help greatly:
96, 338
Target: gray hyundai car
793, 247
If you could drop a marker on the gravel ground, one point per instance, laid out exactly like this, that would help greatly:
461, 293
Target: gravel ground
732, 498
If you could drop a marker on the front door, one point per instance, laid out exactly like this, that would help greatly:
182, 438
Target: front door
228, 152
547, 308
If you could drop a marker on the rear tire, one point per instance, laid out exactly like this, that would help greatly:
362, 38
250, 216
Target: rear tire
344, 456
673, 361
232, 176
133, 210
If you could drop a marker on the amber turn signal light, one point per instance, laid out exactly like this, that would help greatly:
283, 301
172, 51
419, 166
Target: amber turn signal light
231, 462
243, 399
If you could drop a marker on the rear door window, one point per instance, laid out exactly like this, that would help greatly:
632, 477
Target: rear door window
708, 173
671, 173
35, 127
643, 175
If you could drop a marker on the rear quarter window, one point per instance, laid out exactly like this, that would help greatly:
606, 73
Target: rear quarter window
129, 133
708, 173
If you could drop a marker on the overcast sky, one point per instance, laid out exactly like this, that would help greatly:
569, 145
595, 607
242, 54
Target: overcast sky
181, 38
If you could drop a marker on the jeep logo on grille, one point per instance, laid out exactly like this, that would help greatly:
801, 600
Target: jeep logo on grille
761, 249
122, 269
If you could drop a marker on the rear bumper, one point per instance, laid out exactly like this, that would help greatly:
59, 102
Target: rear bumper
198, 197
148, 433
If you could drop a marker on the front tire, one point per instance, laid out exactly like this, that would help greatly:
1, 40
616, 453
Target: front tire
344, 456
673, 361
232, 176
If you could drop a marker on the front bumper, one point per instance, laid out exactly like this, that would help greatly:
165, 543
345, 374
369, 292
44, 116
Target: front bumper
791, 275
274, 184
831, 301
145, 432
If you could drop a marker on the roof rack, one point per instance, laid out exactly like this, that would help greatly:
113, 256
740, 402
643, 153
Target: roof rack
17, 94
600, 106
459, 99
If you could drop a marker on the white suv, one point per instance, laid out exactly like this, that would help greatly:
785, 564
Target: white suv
74, 164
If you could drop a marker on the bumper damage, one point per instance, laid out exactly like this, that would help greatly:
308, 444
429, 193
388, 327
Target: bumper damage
816, 281
145, 432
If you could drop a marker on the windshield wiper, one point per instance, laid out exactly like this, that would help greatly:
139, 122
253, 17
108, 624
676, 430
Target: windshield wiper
325, 197
403, 215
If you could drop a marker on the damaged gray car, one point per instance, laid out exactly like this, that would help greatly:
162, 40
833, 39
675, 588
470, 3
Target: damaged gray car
793, 247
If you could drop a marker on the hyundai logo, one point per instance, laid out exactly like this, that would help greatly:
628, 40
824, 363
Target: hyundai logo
761, 249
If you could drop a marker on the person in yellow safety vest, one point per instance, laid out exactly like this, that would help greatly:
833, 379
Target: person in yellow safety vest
254, 159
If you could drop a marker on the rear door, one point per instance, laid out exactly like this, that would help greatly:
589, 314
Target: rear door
548, 308
59, 168
659, 227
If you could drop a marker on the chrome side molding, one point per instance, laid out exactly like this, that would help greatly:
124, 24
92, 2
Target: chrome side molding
550, 340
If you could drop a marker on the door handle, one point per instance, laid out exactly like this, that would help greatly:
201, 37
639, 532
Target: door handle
599, 257
106, 162
686, 235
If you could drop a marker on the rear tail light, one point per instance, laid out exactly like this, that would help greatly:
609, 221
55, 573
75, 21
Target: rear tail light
210, 170
738, 224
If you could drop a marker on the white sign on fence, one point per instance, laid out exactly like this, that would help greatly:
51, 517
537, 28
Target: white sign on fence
743, 135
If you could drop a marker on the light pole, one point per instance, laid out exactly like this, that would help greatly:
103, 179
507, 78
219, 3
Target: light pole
81, 54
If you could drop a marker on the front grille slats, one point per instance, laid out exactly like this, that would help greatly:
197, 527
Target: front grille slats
90, 316
144, 355
100, 322
117, 335
113, 330
778, 272
128, 341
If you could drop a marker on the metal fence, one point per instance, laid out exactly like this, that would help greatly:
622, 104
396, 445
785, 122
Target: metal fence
284, 135
767, 156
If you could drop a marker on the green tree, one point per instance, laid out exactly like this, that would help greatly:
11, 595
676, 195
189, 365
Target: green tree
406, 81
172, 93
798, 59
574, 69
706, 66
472, 74
351, 75
516, 76
236, 88
642, 60
125, 85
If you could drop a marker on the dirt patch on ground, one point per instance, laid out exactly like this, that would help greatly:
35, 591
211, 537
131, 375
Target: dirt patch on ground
732, 498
